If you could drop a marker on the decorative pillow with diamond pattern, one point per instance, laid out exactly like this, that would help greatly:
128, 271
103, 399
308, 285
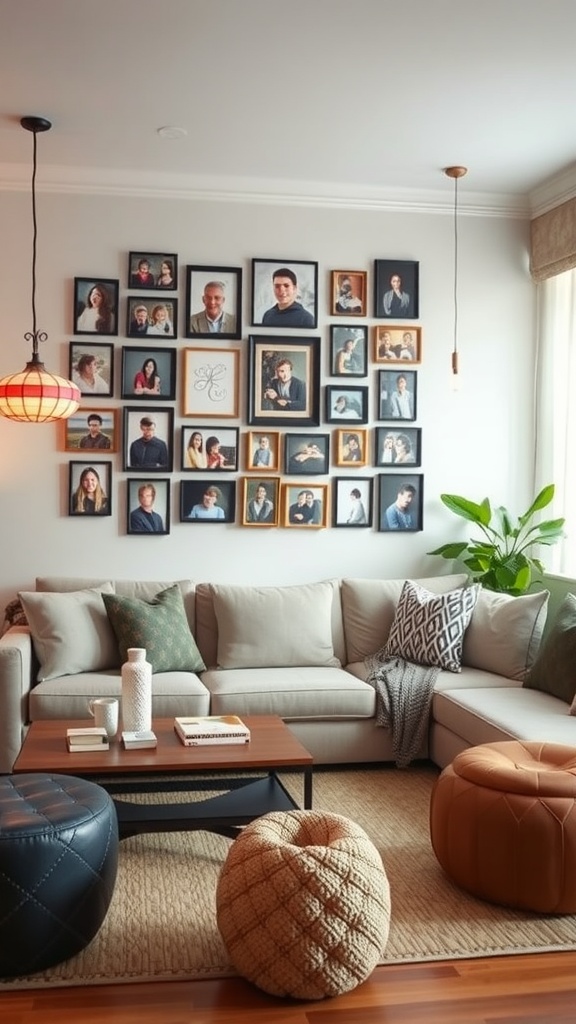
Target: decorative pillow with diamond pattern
160, 626
429, 628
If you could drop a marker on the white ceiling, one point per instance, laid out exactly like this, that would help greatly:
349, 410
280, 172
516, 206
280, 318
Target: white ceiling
353, 100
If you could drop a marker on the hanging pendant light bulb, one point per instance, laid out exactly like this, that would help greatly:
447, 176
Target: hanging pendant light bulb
455, 173
35, 395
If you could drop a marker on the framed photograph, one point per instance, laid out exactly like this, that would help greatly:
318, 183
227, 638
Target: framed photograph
90, 488
396, 289
148, 439
148, 506
260, 499
397, 344
91, 367
148, 373
352, 501
351, 447
306, 454
210, 448
96, 305
206, 501
305, 505
213, 302
153, 271
349, 293
348, 351
398, 447
397, 394
283, 381
263, 451
400, 501
346, 404
284, 294
210, 382
153, 318
91, 429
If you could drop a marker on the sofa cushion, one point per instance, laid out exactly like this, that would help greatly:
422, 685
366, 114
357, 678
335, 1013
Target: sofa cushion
145, 589
158, 625
554, 670
269, 627
70, 632
429, 628
505, 633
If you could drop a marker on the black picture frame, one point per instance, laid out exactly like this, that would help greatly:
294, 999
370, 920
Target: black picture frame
161, 317
385, 444
346, 403
390, 485
265, 354
134, 385
91, 429
352, 501
205, 283
306, 454
156, 275
91, 367
192, 493
80, 497
300, 282
348, 350
88, 318
404, 306
392, 403
195, 459
143, 521
138, 459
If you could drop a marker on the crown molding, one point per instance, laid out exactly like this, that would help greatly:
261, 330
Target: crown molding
553, 192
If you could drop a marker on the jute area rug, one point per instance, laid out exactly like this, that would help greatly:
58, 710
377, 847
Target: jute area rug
162, 921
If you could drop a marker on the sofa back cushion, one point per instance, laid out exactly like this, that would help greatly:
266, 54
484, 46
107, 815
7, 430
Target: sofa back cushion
146, 590
70, 631
505, 633
554, 670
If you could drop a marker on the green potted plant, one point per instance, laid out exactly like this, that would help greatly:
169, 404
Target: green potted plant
500, 560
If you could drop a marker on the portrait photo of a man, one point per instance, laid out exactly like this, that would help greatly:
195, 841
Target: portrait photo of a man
284, 294
401, 502
213, 302
284, 380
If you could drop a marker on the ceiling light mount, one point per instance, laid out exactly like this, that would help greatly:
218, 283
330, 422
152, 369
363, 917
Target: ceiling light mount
456, 172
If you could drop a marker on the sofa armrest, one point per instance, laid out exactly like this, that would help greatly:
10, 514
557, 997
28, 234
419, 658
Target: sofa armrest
15, 684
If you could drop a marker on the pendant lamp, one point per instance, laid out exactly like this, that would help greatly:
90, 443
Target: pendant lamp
35, 395
455, 173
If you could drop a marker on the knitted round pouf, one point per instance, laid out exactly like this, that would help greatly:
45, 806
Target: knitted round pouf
303, 904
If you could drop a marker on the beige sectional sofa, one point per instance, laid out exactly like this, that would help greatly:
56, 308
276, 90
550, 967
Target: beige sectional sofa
296, 651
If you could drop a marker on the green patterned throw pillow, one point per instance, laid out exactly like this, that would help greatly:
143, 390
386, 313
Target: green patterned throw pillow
160, 626
429, 628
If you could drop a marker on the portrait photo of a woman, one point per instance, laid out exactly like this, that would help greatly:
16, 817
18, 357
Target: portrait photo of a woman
95, 306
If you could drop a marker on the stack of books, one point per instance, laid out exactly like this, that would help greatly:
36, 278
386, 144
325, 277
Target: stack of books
81, 740
211, 729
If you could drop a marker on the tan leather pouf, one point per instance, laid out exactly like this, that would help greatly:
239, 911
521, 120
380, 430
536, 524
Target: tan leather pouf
503, 824
303, 904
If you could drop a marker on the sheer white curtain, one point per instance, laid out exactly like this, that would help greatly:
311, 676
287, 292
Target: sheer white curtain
555, 398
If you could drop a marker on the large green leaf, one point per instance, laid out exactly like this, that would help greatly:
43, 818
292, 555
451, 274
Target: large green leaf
480, 514
540, 501
453, 550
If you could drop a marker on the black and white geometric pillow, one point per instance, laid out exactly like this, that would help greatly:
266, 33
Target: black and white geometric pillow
429, 628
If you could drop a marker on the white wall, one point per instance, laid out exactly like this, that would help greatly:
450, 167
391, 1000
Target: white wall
476, 441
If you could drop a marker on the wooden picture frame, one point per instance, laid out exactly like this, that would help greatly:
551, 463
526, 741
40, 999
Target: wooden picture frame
396, 294
352, 500
305, 505
395, 513
153, 271
96, 305
213, 300
346, 404
210, 382
397, 447
393, 344
306, 454
263, 451
159, 322
348, 293
91, 367
277, 363
142, 381
148, 439
205, 449
284, 294
397, 401
148, 506
348, 351
207, 501
81, 435
89, 488
351, 447
260, 501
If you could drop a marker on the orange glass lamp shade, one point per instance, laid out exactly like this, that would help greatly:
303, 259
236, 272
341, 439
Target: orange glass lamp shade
37, 396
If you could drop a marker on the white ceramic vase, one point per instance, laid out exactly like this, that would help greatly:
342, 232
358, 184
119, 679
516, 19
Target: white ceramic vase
136, 691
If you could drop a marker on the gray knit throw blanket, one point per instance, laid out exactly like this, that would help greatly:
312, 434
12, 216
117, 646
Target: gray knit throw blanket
403, 700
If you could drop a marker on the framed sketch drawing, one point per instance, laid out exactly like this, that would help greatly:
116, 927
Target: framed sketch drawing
213, 302
398, 447
348, 291
207, 449
396, 289
153, 271
91, 429
260, 500
348, 351
263, 451
397, 344
148, 506
397, 394
148, 439
148, 373
90, 488
152, 318
305, 505
401, 501
283, 381
206, 501
352, 501
210, 382
346, 404
306, 454
284, 294
91, 367
351, 447
96, 305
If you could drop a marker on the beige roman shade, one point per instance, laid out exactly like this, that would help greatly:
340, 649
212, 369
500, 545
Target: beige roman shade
553, 242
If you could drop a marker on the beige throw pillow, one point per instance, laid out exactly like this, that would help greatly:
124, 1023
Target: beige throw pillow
71, 632
505, 633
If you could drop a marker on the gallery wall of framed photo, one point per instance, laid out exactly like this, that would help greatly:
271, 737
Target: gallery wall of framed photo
274, 422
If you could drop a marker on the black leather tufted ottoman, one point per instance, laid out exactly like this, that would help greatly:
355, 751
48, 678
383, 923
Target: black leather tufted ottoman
58, 861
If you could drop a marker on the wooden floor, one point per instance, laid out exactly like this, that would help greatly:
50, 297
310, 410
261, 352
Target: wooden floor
531, 989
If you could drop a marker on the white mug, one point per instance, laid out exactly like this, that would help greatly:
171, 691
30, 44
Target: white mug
104, 711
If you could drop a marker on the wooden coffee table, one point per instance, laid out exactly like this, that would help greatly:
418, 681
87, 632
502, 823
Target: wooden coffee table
256, 791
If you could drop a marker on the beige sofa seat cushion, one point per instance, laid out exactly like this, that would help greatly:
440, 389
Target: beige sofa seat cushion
505, 633
466, 679
504, 712
290, 692
173, 693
